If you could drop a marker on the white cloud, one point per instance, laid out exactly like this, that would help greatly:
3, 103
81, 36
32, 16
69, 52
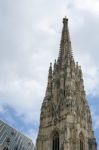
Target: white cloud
88, 5
2, 109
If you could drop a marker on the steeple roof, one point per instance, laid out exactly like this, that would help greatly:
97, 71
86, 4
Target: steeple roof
65, 44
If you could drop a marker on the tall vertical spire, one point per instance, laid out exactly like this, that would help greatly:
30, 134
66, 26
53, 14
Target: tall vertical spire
65, 111
65, 44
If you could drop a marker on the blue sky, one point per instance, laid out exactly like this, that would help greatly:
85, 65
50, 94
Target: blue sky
30, 33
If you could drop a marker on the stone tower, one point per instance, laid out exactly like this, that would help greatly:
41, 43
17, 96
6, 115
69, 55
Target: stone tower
65, 120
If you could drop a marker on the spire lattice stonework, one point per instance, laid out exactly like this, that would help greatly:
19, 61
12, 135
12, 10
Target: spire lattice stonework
65, 120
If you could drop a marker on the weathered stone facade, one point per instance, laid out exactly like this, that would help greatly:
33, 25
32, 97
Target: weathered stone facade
65, 120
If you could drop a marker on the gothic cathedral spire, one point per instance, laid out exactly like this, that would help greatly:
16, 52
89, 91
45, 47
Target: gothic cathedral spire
65, 120
65, 44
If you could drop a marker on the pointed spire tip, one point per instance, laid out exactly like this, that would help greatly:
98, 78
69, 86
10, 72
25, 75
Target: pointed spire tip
65, 20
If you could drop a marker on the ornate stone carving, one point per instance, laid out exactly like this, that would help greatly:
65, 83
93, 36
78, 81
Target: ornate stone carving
65, 106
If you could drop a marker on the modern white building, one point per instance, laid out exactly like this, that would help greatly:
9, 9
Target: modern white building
11, 139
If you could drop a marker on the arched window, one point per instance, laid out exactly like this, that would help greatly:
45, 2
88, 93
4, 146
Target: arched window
90, 144
55, 141
81, 141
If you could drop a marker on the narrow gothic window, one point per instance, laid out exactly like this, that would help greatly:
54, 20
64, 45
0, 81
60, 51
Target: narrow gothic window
81, 145
55, 141
90, 144
81, 141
